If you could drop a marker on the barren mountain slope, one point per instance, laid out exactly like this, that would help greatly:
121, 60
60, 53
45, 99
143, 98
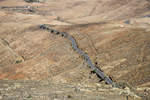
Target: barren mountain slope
114, 33
86, 11
122, 52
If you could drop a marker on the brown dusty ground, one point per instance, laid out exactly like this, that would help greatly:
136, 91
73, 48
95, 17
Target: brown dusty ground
114, 33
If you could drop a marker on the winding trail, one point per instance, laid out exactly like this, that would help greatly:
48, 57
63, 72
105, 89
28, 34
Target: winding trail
100, 74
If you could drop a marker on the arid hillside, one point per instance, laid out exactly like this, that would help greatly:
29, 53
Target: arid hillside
114, 33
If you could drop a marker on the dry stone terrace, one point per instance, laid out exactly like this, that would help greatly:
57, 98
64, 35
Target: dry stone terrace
44, 90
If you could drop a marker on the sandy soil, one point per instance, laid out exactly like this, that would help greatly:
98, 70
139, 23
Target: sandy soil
114, 33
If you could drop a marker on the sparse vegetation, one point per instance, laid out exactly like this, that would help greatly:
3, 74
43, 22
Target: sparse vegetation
69, 96
18, 61
29, 96
37, 65
123, 85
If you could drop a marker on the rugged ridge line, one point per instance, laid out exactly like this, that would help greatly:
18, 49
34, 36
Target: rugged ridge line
94, 68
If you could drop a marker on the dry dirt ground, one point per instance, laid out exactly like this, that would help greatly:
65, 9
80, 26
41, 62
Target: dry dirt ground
35, 64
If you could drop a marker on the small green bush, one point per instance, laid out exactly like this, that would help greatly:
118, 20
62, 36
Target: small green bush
18, 61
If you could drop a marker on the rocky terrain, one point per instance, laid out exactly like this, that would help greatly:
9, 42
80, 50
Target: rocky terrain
37, 65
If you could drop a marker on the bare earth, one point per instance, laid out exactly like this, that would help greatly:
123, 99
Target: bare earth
36, 65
